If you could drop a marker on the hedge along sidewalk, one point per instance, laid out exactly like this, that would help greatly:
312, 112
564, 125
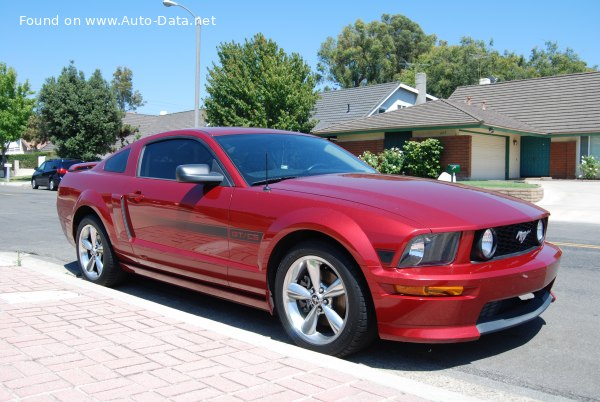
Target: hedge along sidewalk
80, 340
29, 161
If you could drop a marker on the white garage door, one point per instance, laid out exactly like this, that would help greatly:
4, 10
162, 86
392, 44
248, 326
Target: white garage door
488, 157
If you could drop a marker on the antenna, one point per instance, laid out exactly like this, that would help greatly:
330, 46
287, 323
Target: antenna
266, 187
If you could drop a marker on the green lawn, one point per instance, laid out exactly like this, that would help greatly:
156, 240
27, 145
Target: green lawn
498, 184
20, 178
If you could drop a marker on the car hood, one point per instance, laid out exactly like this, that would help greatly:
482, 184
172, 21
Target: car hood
429, 203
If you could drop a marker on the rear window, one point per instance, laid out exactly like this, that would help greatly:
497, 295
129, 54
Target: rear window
118, 162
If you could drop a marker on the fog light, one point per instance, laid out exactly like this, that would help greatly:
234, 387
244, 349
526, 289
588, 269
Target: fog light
429, 290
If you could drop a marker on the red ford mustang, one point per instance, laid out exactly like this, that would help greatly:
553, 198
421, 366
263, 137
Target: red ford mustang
293, 224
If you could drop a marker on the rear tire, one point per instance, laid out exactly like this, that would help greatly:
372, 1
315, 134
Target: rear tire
51, 185
335, 316
97, 260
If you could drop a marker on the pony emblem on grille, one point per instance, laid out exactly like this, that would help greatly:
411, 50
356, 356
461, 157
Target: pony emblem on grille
522, 235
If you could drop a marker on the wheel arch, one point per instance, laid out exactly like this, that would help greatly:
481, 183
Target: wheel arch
87, 204
293, 238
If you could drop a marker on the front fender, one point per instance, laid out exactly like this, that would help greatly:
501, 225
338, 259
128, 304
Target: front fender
330, 222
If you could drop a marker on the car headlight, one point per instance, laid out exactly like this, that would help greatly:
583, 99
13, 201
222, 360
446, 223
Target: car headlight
485, 245
430, 249
541, 231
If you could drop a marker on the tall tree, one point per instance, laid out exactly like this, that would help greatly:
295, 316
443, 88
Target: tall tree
552, 61
15, 108
258, 84
80, 116
372, 53
128, 99
448, 67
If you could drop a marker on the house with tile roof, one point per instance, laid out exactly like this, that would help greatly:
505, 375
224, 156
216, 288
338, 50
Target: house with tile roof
526, 128
343, 105
148, 124
336, 106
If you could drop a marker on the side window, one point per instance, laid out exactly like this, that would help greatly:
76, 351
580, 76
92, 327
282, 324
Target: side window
118, 162
160, 159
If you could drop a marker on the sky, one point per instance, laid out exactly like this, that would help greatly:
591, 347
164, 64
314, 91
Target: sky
160, 49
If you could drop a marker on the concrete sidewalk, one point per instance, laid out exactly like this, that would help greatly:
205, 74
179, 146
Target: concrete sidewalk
62, 338
571, 200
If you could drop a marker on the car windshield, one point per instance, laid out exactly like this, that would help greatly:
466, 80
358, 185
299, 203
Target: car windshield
287, 156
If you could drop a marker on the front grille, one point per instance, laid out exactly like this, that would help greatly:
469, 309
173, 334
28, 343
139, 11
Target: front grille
508, 243
509, 239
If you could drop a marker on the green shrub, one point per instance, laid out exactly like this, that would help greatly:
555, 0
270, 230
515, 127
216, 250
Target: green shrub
370, 159
589, 167
422, 159
29, 161
387, 162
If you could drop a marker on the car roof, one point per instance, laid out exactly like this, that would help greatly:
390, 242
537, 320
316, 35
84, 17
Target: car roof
217, 132
221, 131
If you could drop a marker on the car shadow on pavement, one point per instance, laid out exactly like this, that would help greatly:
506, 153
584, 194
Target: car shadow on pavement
199, 304
432, 357
381, 354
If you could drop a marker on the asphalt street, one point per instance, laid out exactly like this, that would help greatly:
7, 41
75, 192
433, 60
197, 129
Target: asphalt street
554, 357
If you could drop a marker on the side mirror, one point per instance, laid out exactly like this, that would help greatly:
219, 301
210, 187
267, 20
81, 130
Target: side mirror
197, 174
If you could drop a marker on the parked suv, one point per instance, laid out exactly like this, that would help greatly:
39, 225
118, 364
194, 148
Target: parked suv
50, 173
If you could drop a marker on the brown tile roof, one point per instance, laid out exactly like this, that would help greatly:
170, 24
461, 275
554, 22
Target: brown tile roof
347, 104
562, 104
439, 113
153, 124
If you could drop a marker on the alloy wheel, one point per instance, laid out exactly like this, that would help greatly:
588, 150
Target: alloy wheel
91, 252
315, 300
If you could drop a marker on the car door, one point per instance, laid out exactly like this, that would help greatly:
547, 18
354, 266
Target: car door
49, 171
39, 175
180, 228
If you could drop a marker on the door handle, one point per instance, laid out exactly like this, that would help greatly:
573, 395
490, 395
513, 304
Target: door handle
135, 197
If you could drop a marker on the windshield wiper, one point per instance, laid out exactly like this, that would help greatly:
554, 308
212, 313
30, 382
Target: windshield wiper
272, 180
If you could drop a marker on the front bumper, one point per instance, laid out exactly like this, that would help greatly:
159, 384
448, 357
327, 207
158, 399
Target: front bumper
490, 301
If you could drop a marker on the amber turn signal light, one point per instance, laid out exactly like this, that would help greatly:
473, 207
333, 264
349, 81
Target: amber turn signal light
429, 290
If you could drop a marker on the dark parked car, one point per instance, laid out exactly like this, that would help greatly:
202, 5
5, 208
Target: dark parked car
51, 172
295, 225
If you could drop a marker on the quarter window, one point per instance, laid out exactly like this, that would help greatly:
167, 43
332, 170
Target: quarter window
160, 159
118, 162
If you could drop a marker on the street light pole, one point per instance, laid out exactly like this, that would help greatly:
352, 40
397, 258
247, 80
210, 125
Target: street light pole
169, 3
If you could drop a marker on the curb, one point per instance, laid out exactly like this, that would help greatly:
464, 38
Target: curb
404, 385
14, 184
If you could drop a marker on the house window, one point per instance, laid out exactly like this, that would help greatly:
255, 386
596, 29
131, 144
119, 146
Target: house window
595, 146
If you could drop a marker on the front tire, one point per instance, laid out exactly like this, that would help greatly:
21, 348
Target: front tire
34, 184
97, 260
322, 301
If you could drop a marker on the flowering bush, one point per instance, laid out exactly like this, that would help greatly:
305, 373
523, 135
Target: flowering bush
389, 161
589, 167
